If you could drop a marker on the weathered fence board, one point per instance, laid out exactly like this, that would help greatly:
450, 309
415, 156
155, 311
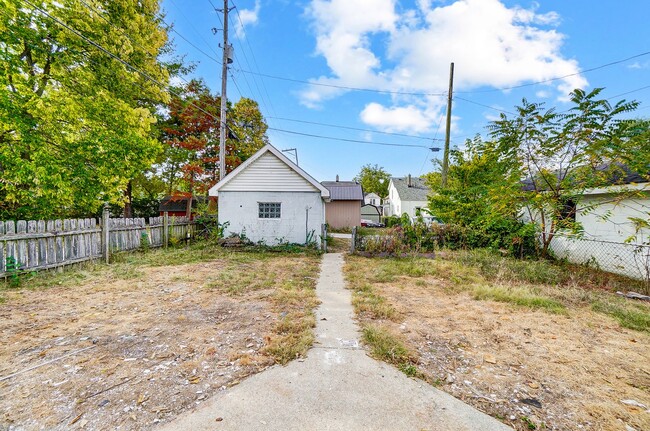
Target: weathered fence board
45, 244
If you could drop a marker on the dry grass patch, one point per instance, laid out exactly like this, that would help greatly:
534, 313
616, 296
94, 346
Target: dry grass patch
543, 347
162, 331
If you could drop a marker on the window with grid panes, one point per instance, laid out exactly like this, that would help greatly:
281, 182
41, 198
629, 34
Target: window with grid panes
269, 209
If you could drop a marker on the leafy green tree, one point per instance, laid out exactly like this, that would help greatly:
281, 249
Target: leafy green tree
249, 132
481, 188
75, 123
373, 179
561, 155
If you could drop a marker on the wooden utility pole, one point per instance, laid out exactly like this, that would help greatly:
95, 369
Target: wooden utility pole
224, 81
445, 157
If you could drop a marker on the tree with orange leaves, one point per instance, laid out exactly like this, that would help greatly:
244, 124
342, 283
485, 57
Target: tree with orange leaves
191, 134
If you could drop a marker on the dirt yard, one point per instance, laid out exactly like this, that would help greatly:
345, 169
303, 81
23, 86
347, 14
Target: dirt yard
535, 356
136, 343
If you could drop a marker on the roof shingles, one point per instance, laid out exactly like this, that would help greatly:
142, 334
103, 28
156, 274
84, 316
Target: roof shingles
418, 191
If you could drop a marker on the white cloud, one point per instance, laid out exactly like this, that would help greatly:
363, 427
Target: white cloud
637, 65
396, 118
376, 44
248, 17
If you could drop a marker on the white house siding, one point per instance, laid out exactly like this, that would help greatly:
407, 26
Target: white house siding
409, 207
240, 209
609, 220
606, 228
394, 203
268, 173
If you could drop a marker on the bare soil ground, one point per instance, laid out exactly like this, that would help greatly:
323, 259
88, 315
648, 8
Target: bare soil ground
531, 368
136, 343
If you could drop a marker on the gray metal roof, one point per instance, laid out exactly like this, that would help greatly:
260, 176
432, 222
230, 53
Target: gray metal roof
344, 190
368, 209
417, 192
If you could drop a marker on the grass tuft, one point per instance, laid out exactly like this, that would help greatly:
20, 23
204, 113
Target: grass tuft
519, 296
366, 301
386, 346
632, 316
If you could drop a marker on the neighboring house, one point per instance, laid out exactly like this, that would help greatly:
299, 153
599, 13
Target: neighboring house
372, 199
370, 212
269, 199
176, 206
609, 237
344, 208
604, 213
408, 195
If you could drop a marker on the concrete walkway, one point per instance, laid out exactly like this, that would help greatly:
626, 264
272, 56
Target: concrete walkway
337, 387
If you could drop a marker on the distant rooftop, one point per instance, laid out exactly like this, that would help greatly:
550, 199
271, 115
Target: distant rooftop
344, 190
418, 191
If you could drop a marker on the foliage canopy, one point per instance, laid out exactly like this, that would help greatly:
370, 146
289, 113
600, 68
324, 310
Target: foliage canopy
75, 123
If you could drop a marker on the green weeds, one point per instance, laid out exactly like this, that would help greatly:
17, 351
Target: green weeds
520, 296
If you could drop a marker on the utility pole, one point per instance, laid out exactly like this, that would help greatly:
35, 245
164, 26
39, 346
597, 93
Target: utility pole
224, 81
445, 157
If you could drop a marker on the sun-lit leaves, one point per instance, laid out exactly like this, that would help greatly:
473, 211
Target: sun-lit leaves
75, 123
190, 132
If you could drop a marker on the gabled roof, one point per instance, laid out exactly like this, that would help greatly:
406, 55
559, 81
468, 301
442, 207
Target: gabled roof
214, 190
417, 192
618, 174
344, 190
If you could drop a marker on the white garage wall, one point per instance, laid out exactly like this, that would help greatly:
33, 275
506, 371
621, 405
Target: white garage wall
240, 209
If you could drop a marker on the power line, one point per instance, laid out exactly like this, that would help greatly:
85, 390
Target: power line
485, 106
148, 77
110, 54
629, 92
342, 87
193, 27
435, 135
348, 140
602, 66
356, 128
268, 98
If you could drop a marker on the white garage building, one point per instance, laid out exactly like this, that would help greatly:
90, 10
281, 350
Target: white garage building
271, 200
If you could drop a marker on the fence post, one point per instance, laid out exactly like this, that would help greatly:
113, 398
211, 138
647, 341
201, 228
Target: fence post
323, 236
165, 229
354, 239
106, 215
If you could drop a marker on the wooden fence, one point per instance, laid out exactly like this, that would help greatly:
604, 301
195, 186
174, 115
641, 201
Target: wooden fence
37, 245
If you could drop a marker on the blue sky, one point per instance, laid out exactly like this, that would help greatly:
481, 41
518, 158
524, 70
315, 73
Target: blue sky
399, 53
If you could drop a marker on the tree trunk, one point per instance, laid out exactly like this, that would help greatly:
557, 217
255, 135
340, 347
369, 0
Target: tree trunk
128, 205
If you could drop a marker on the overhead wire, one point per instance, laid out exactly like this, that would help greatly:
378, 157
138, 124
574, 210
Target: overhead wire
355, 128
349, 140
168, 88
435, 135
243, 30
544, 81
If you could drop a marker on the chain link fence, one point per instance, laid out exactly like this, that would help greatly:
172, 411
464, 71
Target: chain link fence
631, 260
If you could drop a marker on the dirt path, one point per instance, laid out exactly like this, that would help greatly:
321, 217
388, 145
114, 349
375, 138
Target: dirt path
129, 347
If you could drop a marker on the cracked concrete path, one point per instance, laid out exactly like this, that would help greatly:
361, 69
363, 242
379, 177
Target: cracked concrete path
337, 387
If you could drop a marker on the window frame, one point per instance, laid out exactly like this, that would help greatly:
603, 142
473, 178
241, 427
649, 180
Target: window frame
269, 210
